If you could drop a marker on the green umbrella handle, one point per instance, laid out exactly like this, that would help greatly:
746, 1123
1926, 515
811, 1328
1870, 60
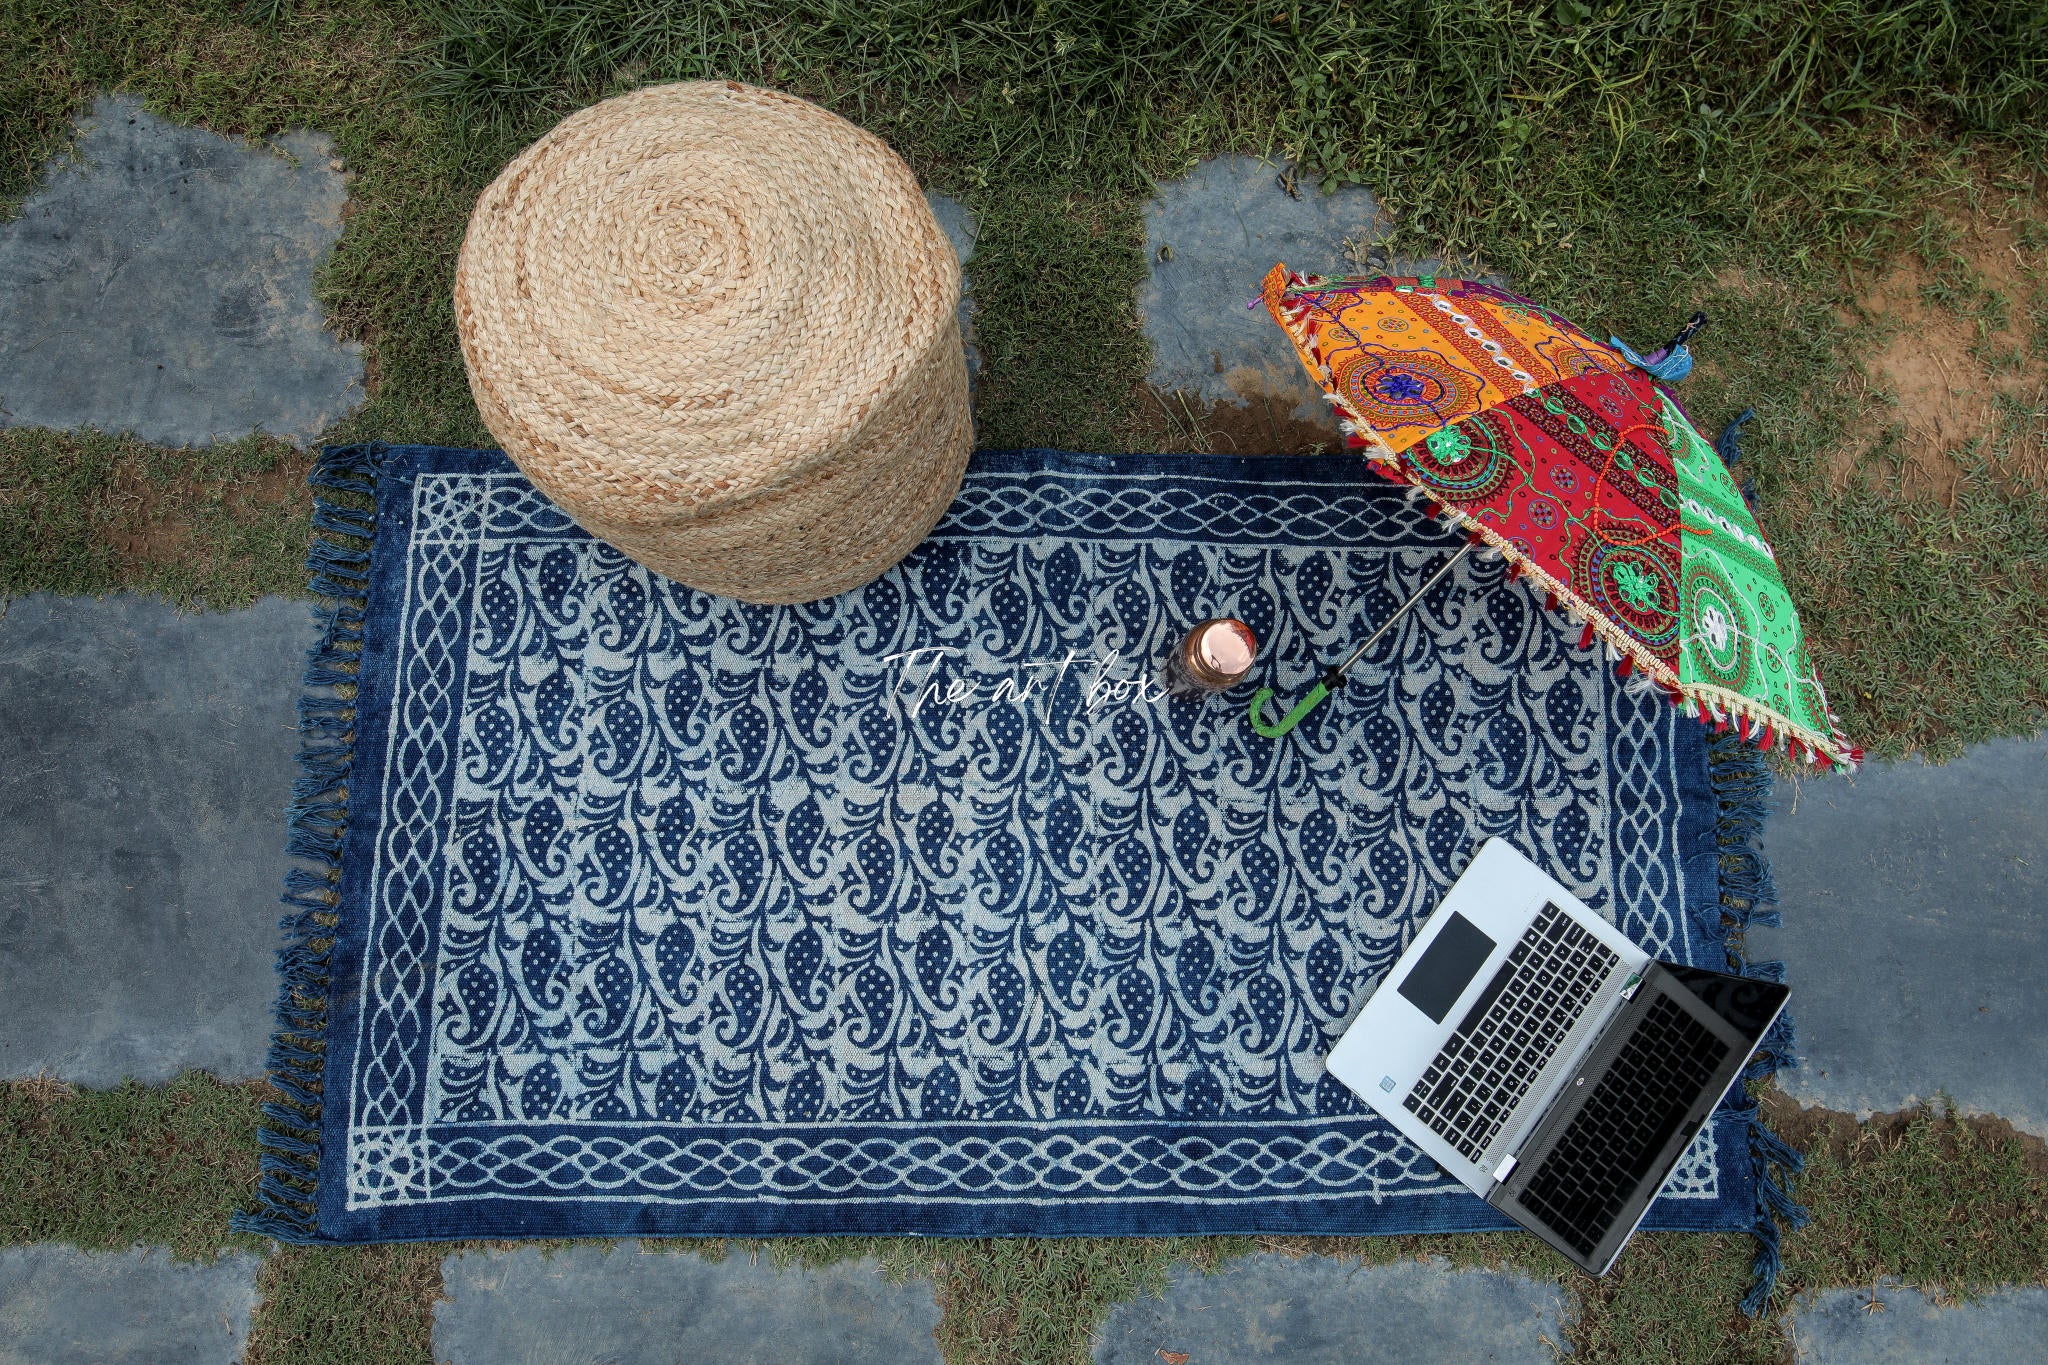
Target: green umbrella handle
1334, 679
1301, 708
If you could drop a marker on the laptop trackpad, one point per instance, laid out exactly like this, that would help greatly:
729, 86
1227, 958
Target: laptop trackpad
1435, 982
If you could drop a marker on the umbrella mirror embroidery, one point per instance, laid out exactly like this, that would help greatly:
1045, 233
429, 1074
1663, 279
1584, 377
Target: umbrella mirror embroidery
1715, 626
1635, 585
1592, 476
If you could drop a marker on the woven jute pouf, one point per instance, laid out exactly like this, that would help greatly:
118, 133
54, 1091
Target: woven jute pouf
719, 326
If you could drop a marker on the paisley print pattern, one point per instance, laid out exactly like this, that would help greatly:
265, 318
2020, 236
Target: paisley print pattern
920, 909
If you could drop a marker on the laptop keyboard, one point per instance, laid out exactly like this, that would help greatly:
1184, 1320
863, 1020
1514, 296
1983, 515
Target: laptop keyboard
1608, 1147
1511, 1032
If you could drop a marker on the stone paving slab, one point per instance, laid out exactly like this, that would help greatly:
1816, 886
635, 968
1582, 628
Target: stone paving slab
63, 1306
625, 1306
1840, 1328
1210, 238
962, 229
150, 758
161, 280
1914, 900
1317, 1311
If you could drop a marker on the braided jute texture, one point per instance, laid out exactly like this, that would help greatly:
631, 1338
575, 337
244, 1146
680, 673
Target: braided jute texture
719, 326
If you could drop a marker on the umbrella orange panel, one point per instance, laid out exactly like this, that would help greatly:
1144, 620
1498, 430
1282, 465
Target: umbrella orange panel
1581, 468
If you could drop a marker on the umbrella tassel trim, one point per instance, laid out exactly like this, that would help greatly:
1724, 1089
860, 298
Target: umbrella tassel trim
1292, 314
1739, 710
1619, 645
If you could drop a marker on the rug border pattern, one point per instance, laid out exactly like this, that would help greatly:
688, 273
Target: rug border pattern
294, 1200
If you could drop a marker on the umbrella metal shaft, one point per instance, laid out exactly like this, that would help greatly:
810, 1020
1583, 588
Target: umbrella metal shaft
1401, 611
1334, 678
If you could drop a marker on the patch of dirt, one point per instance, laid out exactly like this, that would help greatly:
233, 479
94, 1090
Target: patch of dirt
1737, 280
282, 486
1809, 1129
1263, 424
146, 532
1943, 365
153, 521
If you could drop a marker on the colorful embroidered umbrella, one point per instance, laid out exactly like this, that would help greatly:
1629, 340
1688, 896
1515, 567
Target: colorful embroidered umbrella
1579, 466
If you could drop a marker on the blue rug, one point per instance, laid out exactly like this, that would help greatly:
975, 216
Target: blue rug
631, 910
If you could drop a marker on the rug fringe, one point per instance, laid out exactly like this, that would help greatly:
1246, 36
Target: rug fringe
1742, 789
338, 566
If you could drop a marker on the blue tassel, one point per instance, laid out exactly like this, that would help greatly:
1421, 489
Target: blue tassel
339, 562
330, 709
289, 1134
350, 469
280, 1192
288, 1167
295, 1146
306, 844
343, 521
1780, 1203
333, 673
1670, 362
1774, 1150
1728, 445
1764, 1267
1742, 787
1670, 368
283, 1118
292, 1090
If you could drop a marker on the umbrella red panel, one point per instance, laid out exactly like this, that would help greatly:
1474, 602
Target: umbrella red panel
1578, 477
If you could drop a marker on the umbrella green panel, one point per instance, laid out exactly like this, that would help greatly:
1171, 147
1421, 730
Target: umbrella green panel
1571, 459
1743, 646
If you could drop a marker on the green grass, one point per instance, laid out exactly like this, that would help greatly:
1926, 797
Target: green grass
1495, 131
1929, 1198
84, 512
1612, 159
348, 1305
1933, 1201
106, 1169
1053, 318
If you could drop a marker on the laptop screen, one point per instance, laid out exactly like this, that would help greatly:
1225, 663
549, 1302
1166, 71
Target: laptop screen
1434, 983
1745, 1002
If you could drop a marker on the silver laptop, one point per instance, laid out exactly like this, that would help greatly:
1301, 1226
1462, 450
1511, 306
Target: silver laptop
1546, 1061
